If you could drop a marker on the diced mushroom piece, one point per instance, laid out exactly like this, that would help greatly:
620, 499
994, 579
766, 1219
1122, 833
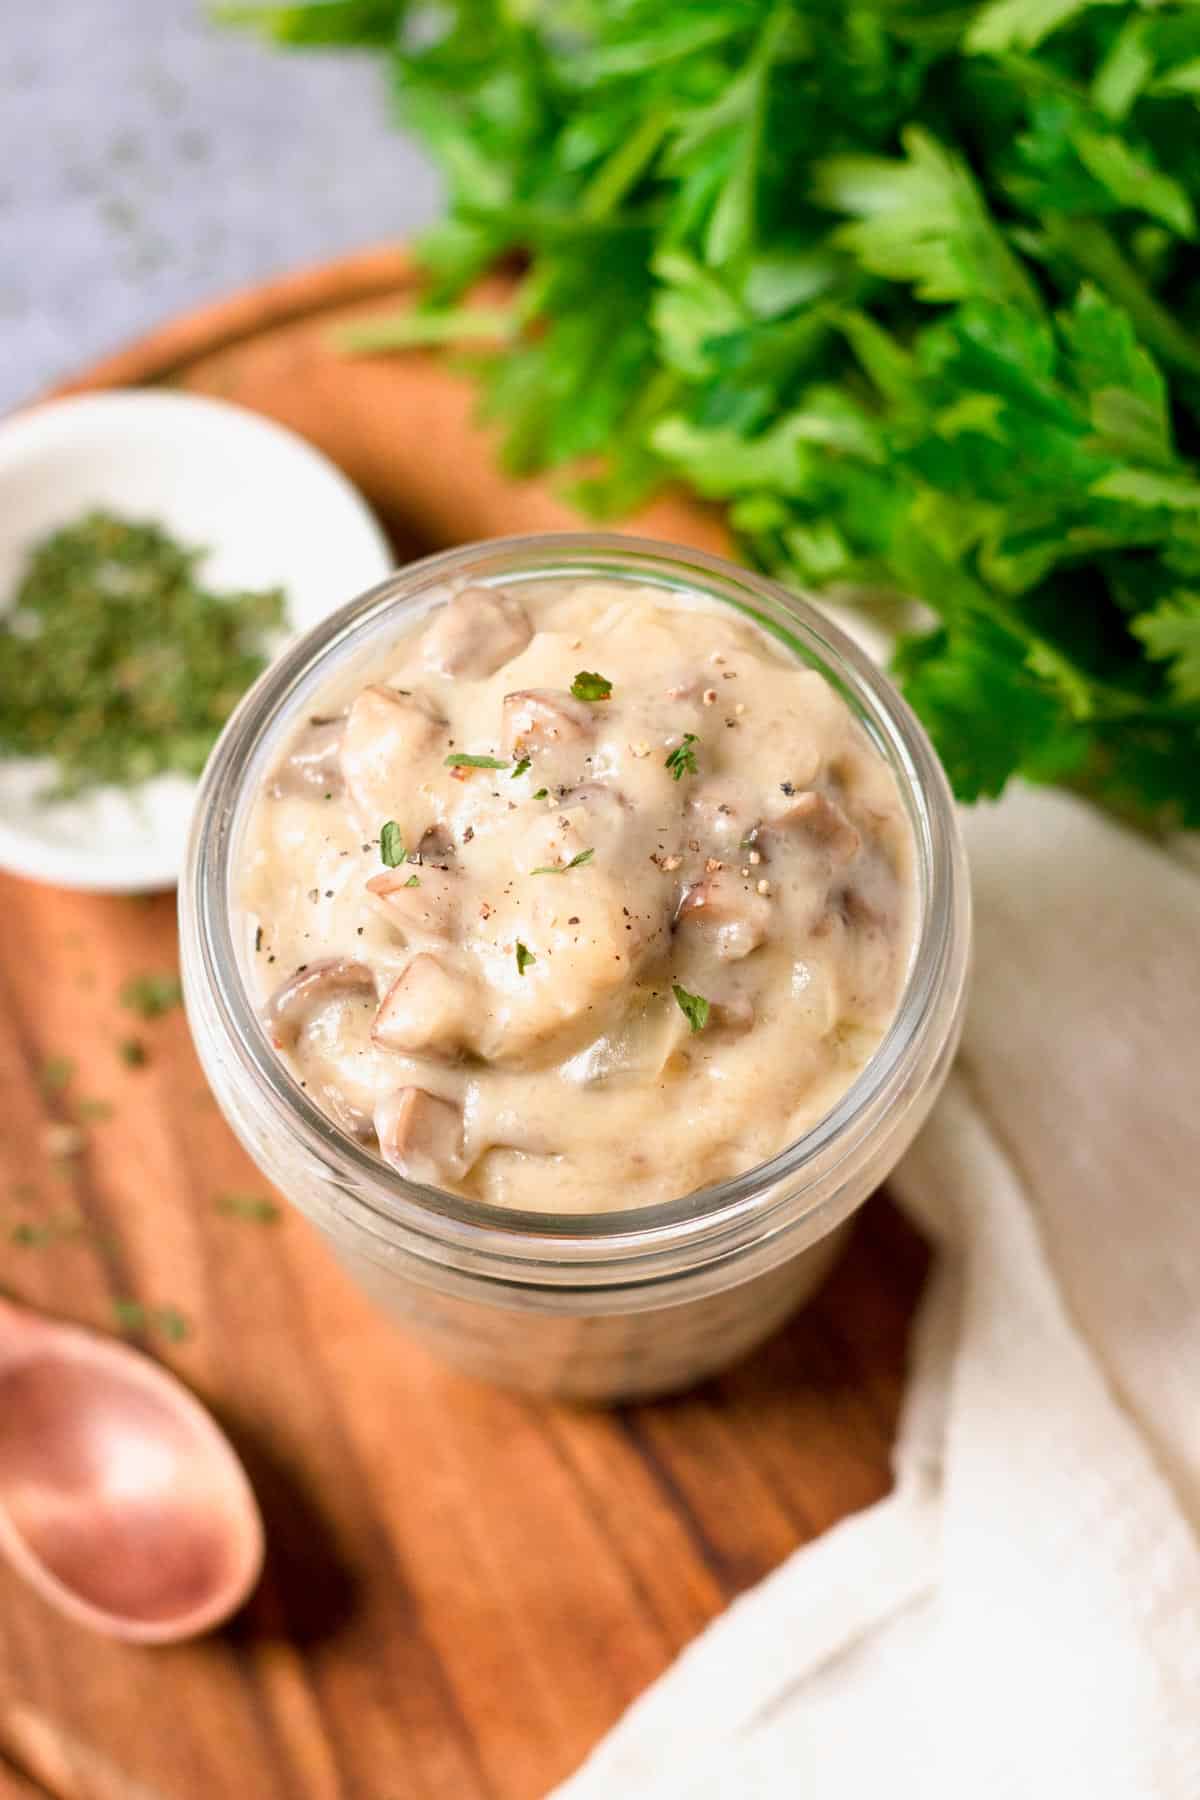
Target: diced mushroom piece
311, 766
420, 1135
435, 844
386, 731
731, 910
822, 821
735, 1015
600, 814
312, 987
720, 813
544, 718
421, 902
426, 1011
294, 1007
476, 633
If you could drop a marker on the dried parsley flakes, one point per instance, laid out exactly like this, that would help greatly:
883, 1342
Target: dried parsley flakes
116, 662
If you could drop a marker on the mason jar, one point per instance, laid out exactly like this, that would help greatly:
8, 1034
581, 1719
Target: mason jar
600, 1306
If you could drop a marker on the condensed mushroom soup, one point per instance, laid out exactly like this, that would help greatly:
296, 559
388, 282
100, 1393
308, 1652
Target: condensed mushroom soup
580, 899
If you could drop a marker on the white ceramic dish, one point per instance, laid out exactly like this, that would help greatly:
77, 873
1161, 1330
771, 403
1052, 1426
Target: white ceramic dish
270, 510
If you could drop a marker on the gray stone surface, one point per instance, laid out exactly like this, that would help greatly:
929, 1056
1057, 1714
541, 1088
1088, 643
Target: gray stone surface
150, 160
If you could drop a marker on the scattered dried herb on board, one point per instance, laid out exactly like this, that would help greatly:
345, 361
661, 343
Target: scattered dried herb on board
151, 995
117, 662
38, 1234
132, 1315
248, 1206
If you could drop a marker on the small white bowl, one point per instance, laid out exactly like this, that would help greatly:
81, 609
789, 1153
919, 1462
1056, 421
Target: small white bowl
270, 511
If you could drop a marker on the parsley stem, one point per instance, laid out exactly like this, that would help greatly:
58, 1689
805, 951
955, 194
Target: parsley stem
413, 329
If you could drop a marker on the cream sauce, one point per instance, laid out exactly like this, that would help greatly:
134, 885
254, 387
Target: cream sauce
719, 824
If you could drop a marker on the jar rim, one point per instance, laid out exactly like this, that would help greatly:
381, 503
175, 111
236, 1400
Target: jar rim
694, 1225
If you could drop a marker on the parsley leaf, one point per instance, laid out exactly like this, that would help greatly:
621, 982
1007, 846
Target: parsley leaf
525, 956
682, 760
475, 762
521, 767
694, 1007
576, 862
587, 686
391, 845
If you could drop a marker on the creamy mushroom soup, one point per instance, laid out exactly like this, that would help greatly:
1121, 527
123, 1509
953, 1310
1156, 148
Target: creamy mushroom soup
586, 898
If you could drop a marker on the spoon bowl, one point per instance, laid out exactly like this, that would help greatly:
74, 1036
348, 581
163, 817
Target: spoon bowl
121, 1500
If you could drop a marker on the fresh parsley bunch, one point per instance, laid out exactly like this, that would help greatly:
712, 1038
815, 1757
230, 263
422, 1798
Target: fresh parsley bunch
913, 286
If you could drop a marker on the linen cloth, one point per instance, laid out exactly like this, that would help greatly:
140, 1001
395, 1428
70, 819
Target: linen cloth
1021, 1616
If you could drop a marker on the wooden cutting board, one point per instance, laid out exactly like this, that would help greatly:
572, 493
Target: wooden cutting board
464, 1588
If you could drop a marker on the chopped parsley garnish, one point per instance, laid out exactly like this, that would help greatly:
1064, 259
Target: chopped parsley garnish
694, 1007
151, 995
541, 793
413, 881
95, 1110
682, 760
521, 767
525, 956
248, 1206
391, 845
456, 761
117, 662
132, 1053
589, 686
576, 862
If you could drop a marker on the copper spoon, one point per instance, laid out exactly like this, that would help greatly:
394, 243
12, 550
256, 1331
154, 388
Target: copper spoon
121, 1500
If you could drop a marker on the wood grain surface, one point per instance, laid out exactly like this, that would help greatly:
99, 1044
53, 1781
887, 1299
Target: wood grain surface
464, 1588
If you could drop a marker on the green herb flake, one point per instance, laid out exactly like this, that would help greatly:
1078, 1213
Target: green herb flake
541, 793
133, 1053
151, 996
39, 1234
525, 956
413, 881
56, 1073
694, 1007
168, 1321
682, 760
521, 767
254, 1207
589, 686
576, 862
457, 761
391, 845
95, 1110
116, 662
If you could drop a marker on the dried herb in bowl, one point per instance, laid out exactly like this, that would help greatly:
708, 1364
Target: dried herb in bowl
117, 662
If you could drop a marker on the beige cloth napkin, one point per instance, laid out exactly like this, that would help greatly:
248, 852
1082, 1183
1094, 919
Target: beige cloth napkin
1021, 1617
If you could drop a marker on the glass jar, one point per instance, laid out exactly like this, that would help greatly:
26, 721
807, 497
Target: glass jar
600, 1306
